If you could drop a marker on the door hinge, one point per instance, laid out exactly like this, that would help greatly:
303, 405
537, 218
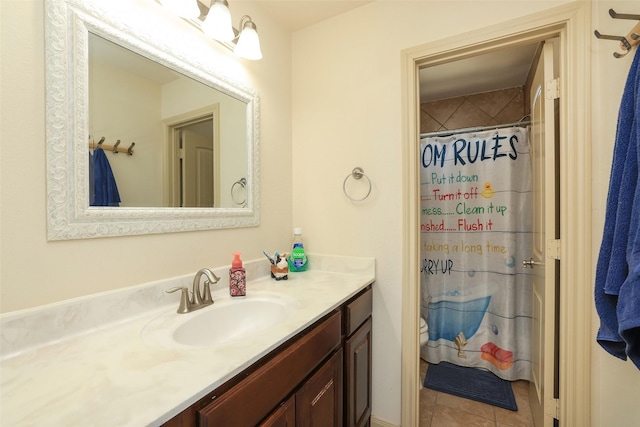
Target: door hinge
552, 408
553, 89
553, 249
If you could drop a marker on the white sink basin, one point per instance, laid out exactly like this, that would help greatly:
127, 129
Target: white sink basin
228, 319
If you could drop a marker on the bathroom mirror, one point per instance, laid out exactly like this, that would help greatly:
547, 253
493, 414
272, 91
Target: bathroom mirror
98, 56
189, 138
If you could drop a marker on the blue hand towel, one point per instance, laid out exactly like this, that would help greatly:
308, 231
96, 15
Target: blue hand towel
92, 186
628, 309
617, 282
106, 190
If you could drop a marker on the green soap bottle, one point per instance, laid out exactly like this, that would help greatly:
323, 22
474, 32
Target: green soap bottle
298, 259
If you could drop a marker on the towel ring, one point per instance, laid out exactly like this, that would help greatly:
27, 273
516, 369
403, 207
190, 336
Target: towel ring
357, 173
242, 182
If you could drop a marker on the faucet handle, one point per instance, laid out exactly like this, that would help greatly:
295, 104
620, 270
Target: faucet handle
206, 293
185, 303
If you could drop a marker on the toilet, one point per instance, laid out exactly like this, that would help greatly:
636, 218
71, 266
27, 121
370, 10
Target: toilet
424, 332
424, 337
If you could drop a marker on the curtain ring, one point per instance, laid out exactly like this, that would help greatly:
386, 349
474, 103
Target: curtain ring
242, 182
357, 173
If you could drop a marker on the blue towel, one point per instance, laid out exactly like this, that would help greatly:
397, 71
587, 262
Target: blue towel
617, 282
105, 188
92, 186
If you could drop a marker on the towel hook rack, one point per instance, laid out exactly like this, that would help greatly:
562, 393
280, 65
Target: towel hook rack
626, 42
113, 148
357, 173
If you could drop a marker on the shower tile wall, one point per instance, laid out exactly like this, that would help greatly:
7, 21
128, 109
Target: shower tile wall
481, 109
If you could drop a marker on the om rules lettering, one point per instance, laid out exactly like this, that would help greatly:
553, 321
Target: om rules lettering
463, 151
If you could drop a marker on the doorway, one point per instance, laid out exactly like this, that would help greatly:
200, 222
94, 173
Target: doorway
197, 186
569, 24
193, 159
481, 306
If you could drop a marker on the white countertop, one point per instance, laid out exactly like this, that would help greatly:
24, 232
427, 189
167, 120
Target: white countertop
104, 374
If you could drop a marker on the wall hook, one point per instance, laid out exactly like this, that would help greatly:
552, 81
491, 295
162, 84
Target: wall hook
616, 15
606, 37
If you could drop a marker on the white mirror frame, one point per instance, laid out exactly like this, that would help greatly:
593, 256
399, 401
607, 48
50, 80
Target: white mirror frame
135, 25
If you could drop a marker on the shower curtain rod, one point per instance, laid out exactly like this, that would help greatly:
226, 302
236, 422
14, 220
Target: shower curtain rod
443, 133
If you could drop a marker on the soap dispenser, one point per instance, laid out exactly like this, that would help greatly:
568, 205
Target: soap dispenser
237, 277
298, 259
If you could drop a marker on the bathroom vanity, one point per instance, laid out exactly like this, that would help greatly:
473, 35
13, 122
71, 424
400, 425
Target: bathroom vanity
320, 377
112, 359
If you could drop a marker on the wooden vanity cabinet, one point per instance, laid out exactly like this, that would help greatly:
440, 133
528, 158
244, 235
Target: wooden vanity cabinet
322, 377
357, 363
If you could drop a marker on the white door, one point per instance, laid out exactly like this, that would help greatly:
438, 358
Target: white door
543, 265
197, 170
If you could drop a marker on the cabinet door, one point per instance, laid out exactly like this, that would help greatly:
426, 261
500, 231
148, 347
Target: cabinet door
284, 416
358, 377
319, 400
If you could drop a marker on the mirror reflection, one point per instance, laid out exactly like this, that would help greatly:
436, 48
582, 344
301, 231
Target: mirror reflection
187, 141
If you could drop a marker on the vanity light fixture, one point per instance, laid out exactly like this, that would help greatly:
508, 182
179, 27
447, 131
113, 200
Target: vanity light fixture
217, 25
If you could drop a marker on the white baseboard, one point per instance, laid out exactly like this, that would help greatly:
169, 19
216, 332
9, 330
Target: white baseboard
377, 422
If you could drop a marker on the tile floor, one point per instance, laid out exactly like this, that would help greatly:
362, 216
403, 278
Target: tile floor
444, 410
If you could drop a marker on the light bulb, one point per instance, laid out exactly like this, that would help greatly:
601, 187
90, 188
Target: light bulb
217, 24
248, 46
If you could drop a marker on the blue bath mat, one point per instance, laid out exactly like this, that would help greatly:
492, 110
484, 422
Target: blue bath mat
471, 383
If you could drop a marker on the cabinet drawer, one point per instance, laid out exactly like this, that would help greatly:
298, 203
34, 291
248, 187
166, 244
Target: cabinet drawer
249, 401
357, 311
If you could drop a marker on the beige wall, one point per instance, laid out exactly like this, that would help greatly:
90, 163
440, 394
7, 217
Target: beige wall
347, 113
34, 271
344, 85
128, 108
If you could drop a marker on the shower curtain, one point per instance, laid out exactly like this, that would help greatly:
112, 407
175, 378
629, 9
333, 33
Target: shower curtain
475, 231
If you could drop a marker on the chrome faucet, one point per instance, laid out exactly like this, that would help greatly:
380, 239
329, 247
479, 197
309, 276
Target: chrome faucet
197, 299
